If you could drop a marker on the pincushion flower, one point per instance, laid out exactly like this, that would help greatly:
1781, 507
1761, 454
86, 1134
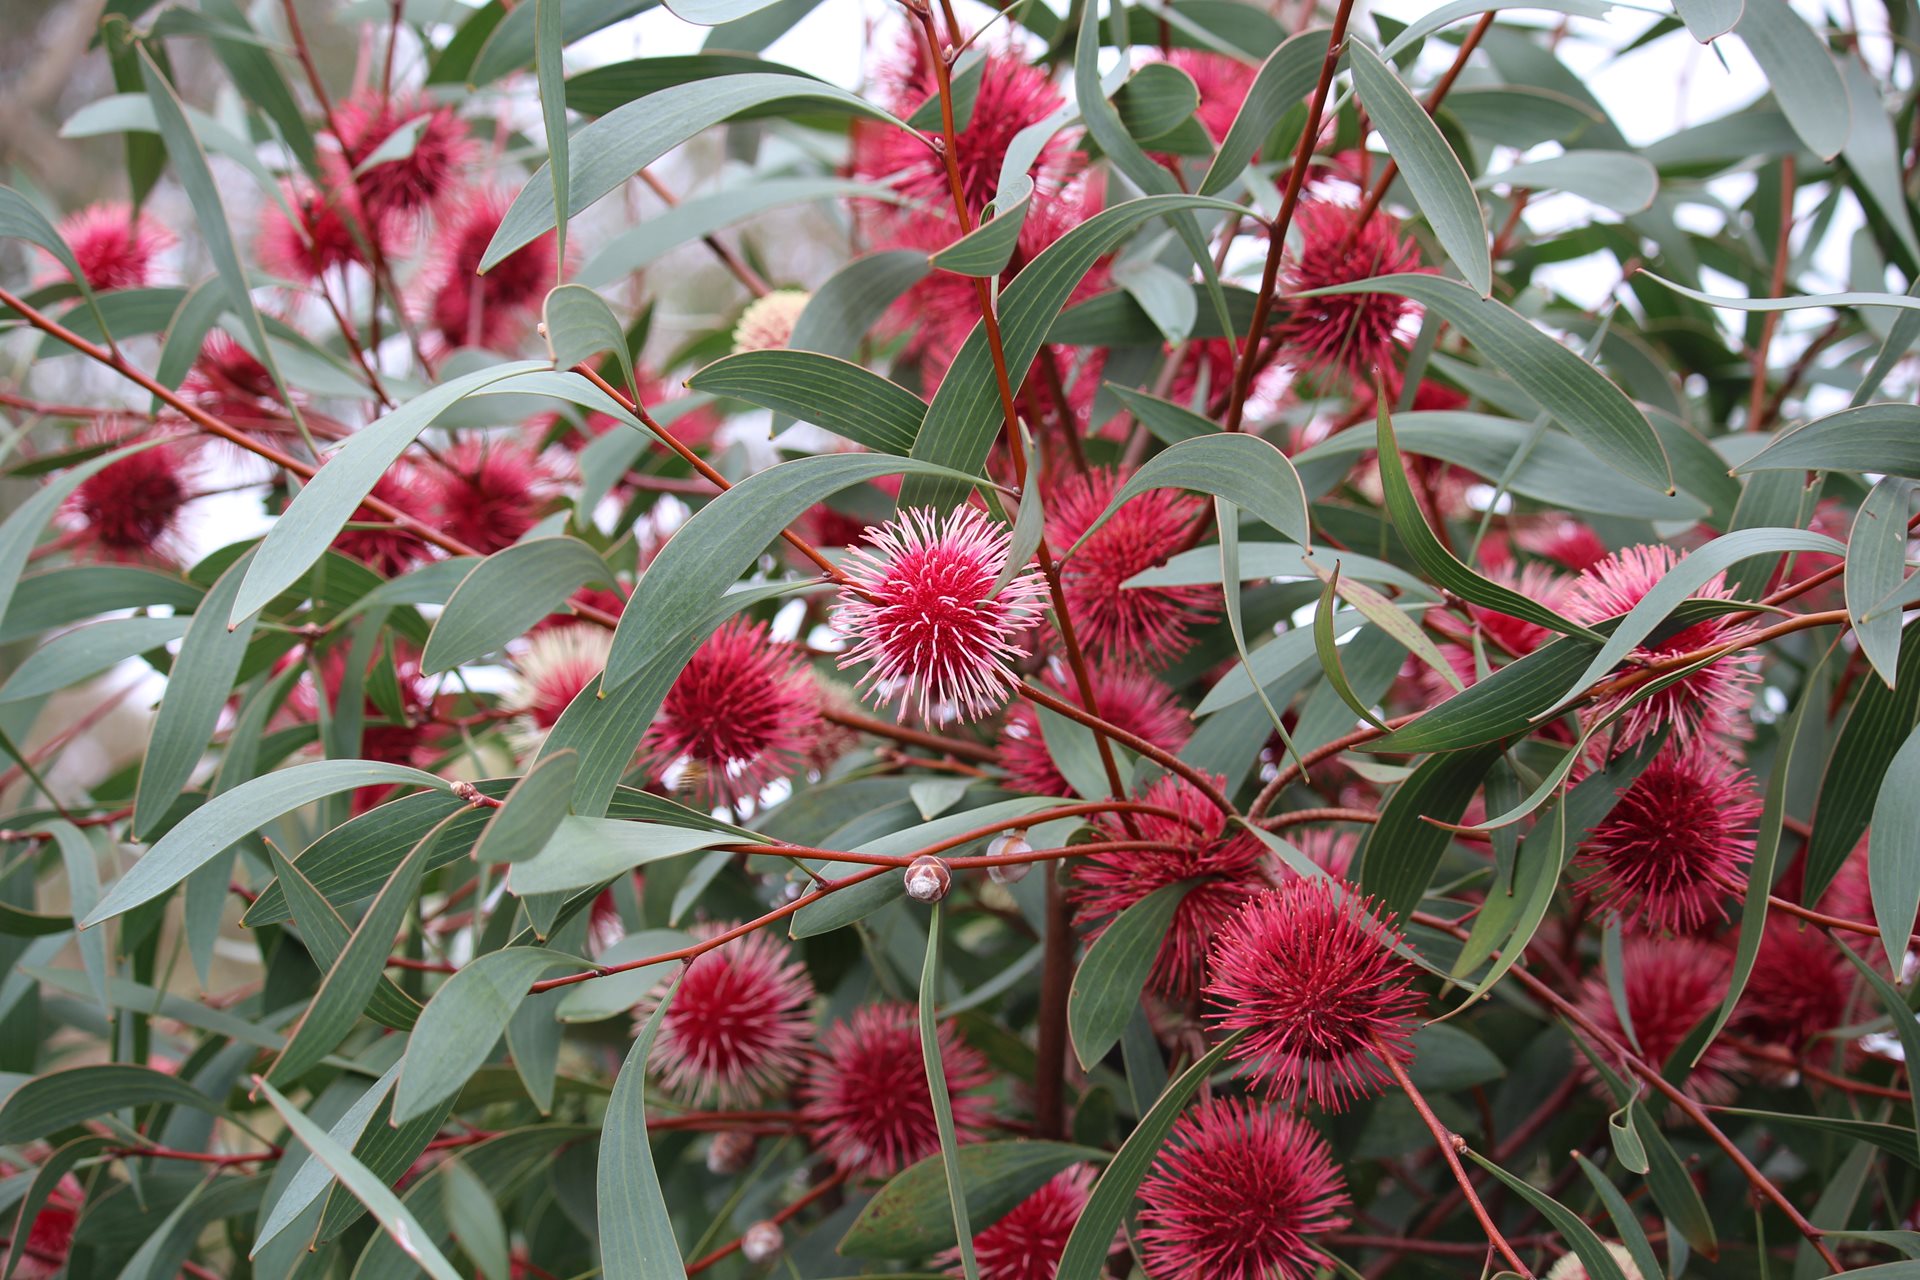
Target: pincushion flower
1800, 987
1713, 699
1240, 1191
463, 308
767, 323
1149, 625
1223, 82
430, 170
1226, 862
737, 1029
557, 664
738, 718
115, 247
1310, 973
1353, 332
864, 1098
1127, 699
380, 543
1671, 984
921, 608
1027, 1242
1675, 846
321, 234
131, 510
1569, 1267
488, 492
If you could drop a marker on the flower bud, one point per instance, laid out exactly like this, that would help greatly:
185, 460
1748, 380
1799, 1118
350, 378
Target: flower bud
730, 1152
1010, 843
928, 879
762, 1242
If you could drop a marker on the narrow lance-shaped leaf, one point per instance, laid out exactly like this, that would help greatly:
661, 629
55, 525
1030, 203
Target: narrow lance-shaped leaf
935, 1064
1893, 851
637, 1240
1875, 567
1107, 985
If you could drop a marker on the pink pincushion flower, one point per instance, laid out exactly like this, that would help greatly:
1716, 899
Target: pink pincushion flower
1310, 972
412, 183
558, 663
865, 1099
1671, 984
1328, 848
1132, 700
1226, 862
1240, 1191
463, 308
50, 1236
489, 492
114, 247
738, 717
922, 609
1710, 701
1223, 83
1027, 1242
375, 540
131, 510
1570, 543
737, 1029
1676, 844
1800, 987
1355, 332
1112, 620
319, 237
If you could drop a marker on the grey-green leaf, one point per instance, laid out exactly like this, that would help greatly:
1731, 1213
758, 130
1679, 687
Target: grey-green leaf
1244, 469
827, 391
460, 1025
636, 1235
507, 593
1107, 985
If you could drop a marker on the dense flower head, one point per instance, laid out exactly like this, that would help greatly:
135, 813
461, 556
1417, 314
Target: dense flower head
487, 492
114, 246
412, 183
131, 510
1225, 861
1357, 332
1569, 1267
466, 309
1027, 1242
1328, 848
319, 235
557, 664
1572, 544
226, 378
50, 1236
921, 608
767, 323
737, 1030
1712, 699
1310, 973
1676, 844
1111, 620
1223, 82
375, 540
738, 717
864, 1098
1129, 699
1240, 1191
1800, 986
1671, 984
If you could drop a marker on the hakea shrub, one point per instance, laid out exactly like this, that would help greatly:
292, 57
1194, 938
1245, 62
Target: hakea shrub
1079, 661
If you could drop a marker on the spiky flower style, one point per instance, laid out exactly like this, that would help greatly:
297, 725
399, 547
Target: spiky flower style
767, 323
1712, 700
922, 610
1225, 862
1240, 1191
115, 247
864, 1099
488, 492
410, 184
558, 663
1800, 987
1138, 624
736, 1031
737, 718
1131, 700
1027, 1243
1309, 972
1569, 1267
1223, 82
376, 541
1355, 332
1570, 543
319, 235
1670, 985
130, 510
1328, 848
1676, 844
466, 309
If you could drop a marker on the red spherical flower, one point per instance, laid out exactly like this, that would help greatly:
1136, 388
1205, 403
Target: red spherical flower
1027, 1243
227, 379
1709, 701
1112, 620
424, 176
1570, 543
1132, 700
1356, 332
114, 247
865, 1099
374, 539
1800, 987
922, 609
1223, 82
737, 1029
1671, 984
558, 663
737, 718
1310, 973
131, 509
1239, 1192
319, 236
466, 309
1676, 844
1226, 862
489, 492
1328, 848
50, 1236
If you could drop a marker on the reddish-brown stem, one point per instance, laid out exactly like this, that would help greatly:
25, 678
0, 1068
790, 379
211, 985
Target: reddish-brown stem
1757, 392
1277, 233
1300, 817
1133, 742
1786, 1058
728, 1250
196, 1157
1288, 772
